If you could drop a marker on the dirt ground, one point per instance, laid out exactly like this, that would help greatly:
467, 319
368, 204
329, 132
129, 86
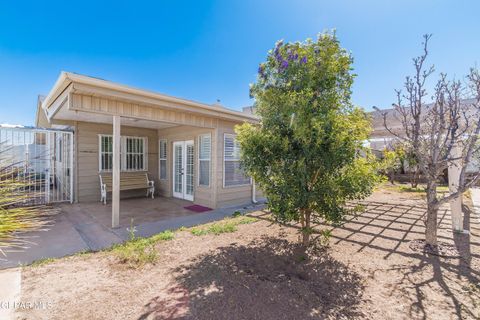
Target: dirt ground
367, 272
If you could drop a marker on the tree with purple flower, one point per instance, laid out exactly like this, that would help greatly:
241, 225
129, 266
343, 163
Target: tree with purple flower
305, 154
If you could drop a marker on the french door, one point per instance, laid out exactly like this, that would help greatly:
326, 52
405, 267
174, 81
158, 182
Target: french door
183, 160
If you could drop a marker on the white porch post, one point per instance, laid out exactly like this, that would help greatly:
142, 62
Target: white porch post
116, 172
453, 180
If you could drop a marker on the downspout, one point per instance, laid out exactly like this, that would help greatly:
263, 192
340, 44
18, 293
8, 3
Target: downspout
254, 198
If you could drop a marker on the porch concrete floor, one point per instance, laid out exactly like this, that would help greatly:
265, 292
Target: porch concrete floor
87, 226
140, 210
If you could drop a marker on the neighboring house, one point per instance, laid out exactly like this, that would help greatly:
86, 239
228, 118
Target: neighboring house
187, 148
381, 138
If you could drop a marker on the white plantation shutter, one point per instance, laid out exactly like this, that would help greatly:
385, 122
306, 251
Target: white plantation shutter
106, 153
135, 157
233, 173
133, 153
204, 156
162, 156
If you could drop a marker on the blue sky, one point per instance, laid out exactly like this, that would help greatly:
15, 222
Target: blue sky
210, 50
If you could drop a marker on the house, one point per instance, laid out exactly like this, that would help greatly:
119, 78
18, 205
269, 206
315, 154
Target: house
186, 149
381, 138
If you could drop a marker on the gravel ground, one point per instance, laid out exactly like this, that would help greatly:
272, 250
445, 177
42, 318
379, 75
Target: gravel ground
368, 271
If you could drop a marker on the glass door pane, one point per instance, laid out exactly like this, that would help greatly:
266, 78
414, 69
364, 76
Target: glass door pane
189, 170
178, 170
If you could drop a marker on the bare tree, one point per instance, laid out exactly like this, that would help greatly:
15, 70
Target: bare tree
439, 133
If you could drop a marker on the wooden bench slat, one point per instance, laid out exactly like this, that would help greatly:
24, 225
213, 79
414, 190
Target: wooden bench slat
128, 181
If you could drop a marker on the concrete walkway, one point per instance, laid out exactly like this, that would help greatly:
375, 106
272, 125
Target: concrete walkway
77, 231
10, 281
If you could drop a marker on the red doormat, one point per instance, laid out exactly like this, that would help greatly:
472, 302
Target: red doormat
197, 208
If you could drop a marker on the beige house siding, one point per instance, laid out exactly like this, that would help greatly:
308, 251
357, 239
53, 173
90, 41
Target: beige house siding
87, 185
88, 157
227, 196
216, 195
204, 195
112, 106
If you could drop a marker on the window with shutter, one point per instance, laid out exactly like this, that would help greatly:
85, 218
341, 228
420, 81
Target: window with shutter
133, 153
233, 174
163, 158
204, 156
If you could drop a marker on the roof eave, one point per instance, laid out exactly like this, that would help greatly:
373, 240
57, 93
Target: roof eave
66, 78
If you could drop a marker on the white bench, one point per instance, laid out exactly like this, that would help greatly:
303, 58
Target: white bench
128, 181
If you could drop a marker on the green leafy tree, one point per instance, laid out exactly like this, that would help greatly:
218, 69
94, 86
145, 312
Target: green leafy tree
307, 154
391, 163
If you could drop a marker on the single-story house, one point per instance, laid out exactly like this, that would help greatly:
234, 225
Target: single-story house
165, 145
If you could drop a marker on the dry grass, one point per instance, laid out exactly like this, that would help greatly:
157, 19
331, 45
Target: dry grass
368, 271
227, 225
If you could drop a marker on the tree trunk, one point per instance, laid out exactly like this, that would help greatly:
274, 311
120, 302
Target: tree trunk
391, 176
305, 221
432, 213
415, 178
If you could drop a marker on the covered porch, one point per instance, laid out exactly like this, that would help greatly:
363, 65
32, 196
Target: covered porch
177, 144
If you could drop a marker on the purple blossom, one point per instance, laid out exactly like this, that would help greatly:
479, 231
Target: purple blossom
261, 71
284, 64
277, 48
304, 60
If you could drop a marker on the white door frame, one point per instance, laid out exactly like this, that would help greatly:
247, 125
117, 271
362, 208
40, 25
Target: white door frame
182, 194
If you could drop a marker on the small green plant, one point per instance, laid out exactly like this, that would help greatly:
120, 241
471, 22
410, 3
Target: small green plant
162, 236
219, 228
140, 251
41, 262
236, 214
131, 230
359, 208
246, 220
228, 225
324, 239
421, 189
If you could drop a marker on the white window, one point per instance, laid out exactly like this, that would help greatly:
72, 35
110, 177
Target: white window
133, 153
233, 174
162, 156
204, 156
106, 153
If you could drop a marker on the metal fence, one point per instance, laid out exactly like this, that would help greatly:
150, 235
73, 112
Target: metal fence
41, 159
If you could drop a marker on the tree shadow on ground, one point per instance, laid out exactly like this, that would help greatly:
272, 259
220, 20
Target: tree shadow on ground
386, 229
266, 279
455, 279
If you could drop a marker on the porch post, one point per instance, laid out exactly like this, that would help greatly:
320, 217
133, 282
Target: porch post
116, 173
454, 169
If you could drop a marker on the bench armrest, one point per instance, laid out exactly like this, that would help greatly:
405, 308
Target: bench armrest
150, 183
